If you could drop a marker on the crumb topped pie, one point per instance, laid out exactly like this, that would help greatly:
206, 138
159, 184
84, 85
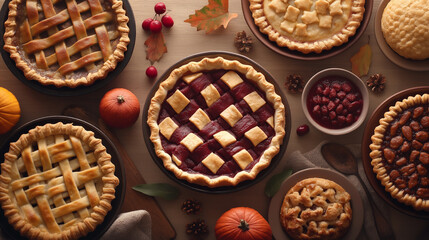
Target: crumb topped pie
400, 151
216, 122
308, 25
66, 43
316, 208
57, 182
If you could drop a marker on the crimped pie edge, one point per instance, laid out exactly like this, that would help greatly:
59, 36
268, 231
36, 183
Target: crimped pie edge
31, 74
376, 153
207, 64
358, 10
110, 181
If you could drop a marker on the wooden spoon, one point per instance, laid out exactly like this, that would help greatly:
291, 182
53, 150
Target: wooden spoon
340, 158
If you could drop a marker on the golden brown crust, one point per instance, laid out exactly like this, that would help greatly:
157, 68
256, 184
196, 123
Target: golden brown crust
336, 39
210, 64
377, 152
8, 181
31, 74
316, 208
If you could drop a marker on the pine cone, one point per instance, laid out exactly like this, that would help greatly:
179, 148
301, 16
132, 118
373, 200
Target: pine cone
294, 83
376, 82
191, 206
243, 42
197, 228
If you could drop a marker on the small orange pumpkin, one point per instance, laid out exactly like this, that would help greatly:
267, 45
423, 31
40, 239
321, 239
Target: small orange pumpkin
10, 112
119, 108
242, 223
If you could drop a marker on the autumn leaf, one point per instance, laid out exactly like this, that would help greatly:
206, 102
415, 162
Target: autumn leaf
155, 47
362, 60
211, 16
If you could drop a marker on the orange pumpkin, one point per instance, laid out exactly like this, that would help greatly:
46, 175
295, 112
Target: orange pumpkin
10, 112
119, 108
242, 223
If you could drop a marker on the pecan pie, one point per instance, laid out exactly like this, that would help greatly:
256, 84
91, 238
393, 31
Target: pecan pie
316, 208
57, 182
66, 43
400, 151
216, 122
308, 25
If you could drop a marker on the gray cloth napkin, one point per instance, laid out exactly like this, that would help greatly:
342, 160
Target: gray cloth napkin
298, 161
132, 225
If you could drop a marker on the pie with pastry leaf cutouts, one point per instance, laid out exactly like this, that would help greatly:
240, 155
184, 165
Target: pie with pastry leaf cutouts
308, 26
216, 122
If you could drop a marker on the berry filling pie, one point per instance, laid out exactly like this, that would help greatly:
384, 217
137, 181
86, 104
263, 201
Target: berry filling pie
216, 122
66, 43
308, 25
400, 151
57, 182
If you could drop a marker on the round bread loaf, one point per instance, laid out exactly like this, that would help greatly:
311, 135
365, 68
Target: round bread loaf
405, 27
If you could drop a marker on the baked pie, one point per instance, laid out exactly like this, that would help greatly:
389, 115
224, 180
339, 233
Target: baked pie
316, 208
216, 122
400, 151
66, 43
308, 25
57, 182
404, 27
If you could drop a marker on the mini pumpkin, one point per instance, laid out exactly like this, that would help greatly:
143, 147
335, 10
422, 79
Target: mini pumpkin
242, 223
10, 112
119, 108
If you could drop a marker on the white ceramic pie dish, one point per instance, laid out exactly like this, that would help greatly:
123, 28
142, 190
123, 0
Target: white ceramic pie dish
342, 73
356, 201
414, 65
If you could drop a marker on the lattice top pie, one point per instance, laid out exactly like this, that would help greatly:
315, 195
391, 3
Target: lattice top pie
216, 122
316, 208
66, 43
57, 182
400, 151
308, 25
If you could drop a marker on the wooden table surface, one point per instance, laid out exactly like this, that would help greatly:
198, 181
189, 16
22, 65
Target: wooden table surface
183, 40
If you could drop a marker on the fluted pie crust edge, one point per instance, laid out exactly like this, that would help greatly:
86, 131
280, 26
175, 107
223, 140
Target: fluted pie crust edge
208, 64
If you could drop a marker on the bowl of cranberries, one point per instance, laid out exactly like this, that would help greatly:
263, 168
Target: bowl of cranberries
335, 101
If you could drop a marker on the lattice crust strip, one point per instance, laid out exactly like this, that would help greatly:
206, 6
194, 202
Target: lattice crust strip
57, 177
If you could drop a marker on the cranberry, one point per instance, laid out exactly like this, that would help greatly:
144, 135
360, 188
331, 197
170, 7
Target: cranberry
167, 21
160, 8
302, 130
146, 24
155, 26
346, 87
151, 72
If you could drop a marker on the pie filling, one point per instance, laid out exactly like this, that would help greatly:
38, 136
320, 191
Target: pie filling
215, 123
406, 151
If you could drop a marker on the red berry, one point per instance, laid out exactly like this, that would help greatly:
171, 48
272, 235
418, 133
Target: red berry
302, 130
160, 8
167, 20
151, 72
146, 24
155, 26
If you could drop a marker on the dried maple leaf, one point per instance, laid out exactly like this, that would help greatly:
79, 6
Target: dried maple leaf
211, 16
155, 47
362, 60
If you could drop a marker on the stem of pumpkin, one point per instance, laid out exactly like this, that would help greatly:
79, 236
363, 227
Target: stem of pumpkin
120, 99
244, 226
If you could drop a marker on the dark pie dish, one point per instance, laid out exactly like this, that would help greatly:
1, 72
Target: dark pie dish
223, 129
397, 176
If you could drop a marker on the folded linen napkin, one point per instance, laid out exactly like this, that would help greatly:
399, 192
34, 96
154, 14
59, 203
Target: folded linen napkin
133, 225
298, 161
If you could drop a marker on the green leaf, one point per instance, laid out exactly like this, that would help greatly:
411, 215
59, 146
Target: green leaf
273, 185
163, 190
